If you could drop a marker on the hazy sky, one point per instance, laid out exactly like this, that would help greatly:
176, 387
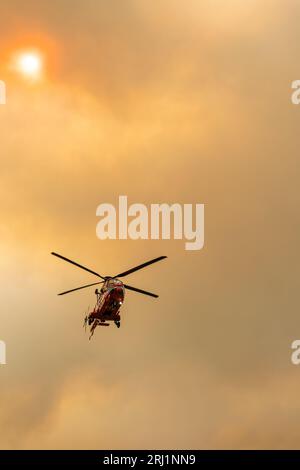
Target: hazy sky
163, 102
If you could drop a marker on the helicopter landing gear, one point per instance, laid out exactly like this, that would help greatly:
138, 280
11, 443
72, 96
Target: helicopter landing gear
118, 324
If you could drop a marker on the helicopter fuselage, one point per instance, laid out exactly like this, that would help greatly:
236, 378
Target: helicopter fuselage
110, 298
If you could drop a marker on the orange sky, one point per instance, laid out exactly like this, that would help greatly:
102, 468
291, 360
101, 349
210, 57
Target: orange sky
163, 103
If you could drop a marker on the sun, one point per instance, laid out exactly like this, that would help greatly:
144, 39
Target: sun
29, 64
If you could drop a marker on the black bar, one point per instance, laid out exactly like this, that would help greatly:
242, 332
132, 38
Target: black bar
149, 458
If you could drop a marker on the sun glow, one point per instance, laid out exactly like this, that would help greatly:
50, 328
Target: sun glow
29, 64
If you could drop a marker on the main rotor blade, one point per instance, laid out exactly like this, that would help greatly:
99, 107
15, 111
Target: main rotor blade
141, 266
78, 288
76, 264
140, 291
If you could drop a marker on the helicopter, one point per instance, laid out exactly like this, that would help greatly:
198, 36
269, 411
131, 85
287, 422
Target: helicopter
110, 297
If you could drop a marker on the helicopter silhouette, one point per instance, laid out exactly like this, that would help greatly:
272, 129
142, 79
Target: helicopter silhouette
110, 297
